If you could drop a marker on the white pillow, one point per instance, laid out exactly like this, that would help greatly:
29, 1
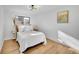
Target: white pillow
25, 28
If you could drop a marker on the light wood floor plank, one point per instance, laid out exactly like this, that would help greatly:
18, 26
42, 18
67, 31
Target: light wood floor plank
12, 47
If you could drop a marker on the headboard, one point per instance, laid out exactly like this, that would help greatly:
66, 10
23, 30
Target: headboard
21, 20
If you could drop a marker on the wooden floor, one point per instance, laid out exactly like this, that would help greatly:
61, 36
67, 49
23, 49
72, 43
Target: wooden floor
12, 47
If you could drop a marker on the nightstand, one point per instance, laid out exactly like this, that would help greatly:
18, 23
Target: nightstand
35, 29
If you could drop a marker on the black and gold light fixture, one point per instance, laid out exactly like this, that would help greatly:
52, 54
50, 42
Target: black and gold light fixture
33, 7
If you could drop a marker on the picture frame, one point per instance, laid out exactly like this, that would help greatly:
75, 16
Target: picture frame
63, 16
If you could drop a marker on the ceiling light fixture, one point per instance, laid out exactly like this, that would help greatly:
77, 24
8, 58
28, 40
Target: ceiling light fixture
33, 7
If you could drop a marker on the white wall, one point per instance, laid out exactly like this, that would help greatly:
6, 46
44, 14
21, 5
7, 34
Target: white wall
47, 22
1, 26
72, 27
8, 17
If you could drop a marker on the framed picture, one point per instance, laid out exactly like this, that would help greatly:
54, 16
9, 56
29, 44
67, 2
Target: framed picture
62, 16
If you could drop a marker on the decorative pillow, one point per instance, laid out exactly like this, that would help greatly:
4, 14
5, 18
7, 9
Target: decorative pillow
25, 28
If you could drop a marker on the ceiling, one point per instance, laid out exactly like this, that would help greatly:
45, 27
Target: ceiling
24, 9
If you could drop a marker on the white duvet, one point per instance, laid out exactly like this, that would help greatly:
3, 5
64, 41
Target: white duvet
28, 39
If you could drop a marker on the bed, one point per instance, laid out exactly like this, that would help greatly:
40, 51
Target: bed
27, 37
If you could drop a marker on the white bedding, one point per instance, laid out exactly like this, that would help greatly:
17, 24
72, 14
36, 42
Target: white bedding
28, 39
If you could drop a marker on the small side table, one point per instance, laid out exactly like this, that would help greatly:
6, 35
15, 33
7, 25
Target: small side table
35, 29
